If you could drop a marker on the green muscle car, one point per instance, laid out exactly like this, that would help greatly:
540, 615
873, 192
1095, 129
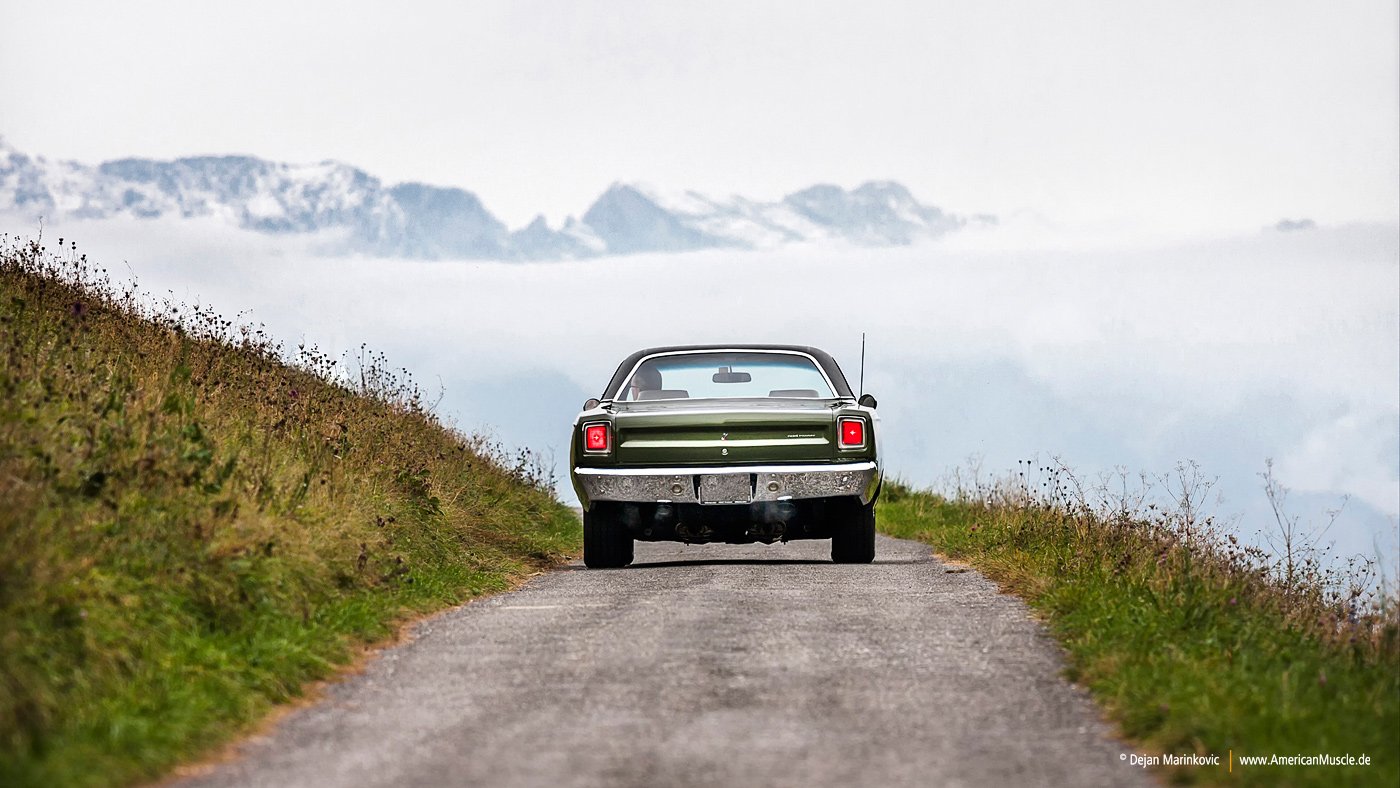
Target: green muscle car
727, 443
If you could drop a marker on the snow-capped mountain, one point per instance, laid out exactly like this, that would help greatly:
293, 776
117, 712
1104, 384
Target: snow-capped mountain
417, 220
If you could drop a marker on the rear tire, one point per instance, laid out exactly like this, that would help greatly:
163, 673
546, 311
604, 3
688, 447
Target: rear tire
606, 541
853, 537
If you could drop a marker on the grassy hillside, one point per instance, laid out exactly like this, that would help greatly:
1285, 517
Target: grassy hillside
192, 527
1192, 643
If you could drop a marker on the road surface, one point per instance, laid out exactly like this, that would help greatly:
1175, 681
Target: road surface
715, 665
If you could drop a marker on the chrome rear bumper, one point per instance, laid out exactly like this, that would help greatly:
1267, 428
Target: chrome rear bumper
725, 485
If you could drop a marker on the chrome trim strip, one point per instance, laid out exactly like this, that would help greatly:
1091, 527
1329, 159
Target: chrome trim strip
761, 410
839, 467
639, 443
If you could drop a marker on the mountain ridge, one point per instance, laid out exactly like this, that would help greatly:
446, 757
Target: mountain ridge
419, 220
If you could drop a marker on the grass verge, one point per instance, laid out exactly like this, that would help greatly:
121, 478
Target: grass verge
1192, 645
194, 524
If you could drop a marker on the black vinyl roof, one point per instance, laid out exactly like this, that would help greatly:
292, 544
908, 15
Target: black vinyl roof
828, 364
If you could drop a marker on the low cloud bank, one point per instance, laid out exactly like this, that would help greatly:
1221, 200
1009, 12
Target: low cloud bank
1228, 352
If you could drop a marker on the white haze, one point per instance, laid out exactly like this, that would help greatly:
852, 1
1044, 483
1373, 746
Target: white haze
1282, 345
1170, 116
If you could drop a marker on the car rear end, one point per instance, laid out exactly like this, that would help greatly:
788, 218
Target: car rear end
729, 469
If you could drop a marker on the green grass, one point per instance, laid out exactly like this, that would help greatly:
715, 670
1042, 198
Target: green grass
192, 528
1189, 647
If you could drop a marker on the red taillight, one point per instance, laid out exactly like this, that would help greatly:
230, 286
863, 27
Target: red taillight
852, 432
595, 437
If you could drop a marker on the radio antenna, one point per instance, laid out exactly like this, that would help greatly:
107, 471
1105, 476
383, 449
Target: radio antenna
862, 363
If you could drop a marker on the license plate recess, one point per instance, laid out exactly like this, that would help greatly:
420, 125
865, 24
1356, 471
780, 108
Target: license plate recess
726, 488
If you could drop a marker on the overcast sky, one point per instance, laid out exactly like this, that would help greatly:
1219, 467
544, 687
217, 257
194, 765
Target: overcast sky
1196, 117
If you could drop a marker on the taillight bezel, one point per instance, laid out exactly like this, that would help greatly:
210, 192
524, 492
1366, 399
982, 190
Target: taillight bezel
841, 433
607, 438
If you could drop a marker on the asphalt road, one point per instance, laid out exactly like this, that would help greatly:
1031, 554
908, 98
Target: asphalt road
715, 665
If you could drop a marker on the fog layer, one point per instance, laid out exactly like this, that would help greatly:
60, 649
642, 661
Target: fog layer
1282, 345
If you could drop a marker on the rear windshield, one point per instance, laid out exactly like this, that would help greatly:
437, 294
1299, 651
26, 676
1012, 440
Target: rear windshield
726, 375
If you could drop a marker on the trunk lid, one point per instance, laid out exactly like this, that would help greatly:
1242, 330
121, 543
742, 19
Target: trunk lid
724, 432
